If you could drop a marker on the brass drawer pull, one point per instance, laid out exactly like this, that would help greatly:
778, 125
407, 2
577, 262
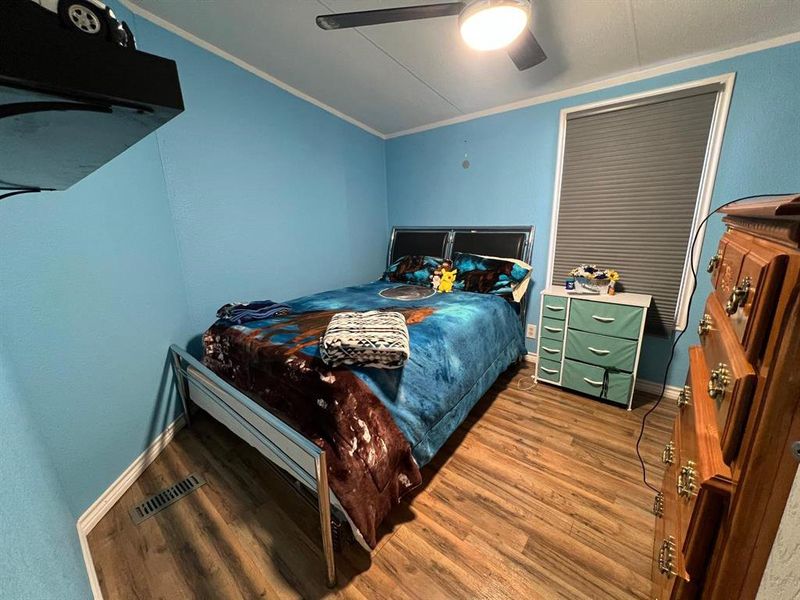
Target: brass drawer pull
603, 319
737, 297
550, 350
658, 505
719, 380
684, 396
668, 454
666, 557
687, 480
713, 262
704, 326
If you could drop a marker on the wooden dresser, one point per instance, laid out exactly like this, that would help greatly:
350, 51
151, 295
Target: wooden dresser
729, 462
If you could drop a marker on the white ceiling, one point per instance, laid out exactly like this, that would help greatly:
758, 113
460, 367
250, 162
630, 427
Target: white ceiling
402, 76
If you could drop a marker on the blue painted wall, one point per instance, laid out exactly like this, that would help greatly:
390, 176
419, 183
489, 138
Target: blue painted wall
251, 193
41, 556
513, 158
271, 196
92, 295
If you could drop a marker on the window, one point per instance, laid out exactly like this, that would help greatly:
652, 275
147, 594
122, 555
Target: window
635, 176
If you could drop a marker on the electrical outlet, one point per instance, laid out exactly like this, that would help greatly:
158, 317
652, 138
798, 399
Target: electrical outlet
530, 331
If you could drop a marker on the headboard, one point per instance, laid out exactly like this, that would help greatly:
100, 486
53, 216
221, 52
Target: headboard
504, 242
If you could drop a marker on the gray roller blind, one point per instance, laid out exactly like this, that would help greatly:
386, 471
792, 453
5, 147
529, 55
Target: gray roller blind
628, 195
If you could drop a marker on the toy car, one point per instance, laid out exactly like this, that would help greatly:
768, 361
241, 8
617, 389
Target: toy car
91, 17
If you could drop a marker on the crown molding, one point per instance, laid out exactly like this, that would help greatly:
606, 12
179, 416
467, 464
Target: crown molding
190, 37
631, 77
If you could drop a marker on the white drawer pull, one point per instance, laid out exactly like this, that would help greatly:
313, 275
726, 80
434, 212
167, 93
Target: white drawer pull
553, 329
546, 370
550, 350
600, 352
551, 307
591, 382
603, 319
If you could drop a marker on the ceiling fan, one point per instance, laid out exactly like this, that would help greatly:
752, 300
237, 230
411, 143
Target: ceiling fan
484, 24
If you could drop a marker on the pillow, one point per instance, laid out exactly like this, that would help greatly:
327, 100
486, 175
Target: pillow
491, 275
413, 269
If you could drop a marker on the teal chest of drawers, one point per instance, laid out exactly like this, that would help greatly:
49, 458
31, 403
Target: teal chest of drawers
591, 344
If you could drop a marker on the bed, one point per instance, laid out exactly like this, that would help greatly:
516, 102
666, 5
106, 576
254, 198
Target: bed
357, 437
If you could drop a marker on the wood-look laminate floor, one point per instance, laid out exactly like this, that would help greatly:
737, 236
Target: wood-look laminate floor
538, 495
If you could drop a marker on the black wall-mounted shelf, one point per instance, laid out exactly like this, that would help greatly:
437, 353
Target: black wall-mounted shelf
69, 102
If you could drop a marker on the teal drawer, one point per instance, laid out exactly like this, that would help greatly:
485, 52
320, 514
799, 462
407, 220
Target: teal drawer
554, 307
550, 349
607, 319
601, 350
549, 370
588, 379
552, 329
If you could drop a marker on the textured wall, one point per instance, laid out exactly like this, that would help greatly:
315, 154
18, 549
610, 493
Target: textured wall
41, 557
91, 296
271, 196
251, 193
781, 579
513, 158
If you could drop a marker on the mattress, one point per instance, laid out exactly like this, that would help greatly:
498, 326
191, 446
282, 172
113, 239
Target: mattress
378, 426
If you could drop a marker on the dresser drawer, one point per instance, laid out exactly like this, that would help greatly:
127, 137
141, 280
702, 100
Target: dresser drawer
702, 480
751, 304
549, 370
554, 307
550, 350
552, 329
601, 350
588, 379
731, 380
617, 320
668, 562
730, 264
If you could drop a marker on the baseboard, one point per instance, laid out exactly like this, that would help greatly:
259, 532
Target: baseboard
109, 498
651, 387
531, 357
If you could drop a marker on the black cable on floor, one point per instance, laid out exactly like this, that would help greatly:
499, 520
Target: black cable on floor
693, 269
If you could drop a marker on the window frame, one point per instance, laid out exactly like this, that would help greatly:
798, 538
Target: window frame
705, 190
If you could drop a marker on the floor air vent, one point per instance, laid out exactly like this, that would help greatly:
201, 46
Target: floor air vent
157, 503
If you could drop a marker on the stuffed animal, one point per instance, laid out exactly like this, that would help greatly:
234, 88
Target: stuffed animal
448, 278
436, 276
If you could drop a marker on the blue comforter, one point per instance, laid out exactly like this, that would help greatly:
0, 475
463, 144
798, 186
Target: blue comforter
457, 352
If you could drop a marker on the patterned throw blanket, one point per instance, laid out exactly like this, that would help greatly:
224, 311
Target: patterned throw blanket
368, 339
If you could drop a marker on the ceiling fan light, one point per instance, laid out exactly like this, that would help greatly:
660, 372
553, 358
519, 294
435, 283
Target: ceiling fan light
493, 24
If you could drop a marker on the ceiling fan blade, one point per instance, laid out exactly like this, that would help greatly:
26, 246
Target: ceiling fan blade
388, 15
525, 51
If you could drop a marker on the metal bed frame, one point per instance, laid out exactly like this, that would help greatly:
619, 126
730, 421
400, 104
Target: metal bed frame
525, 253
284, 447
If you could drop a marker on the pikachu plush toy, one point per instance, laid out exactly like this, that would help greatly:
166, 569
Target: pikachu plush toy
448, 278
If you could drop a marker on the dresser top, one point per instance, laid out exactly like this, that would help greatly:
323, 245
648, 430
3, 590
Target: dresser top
767, 207
642, 300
